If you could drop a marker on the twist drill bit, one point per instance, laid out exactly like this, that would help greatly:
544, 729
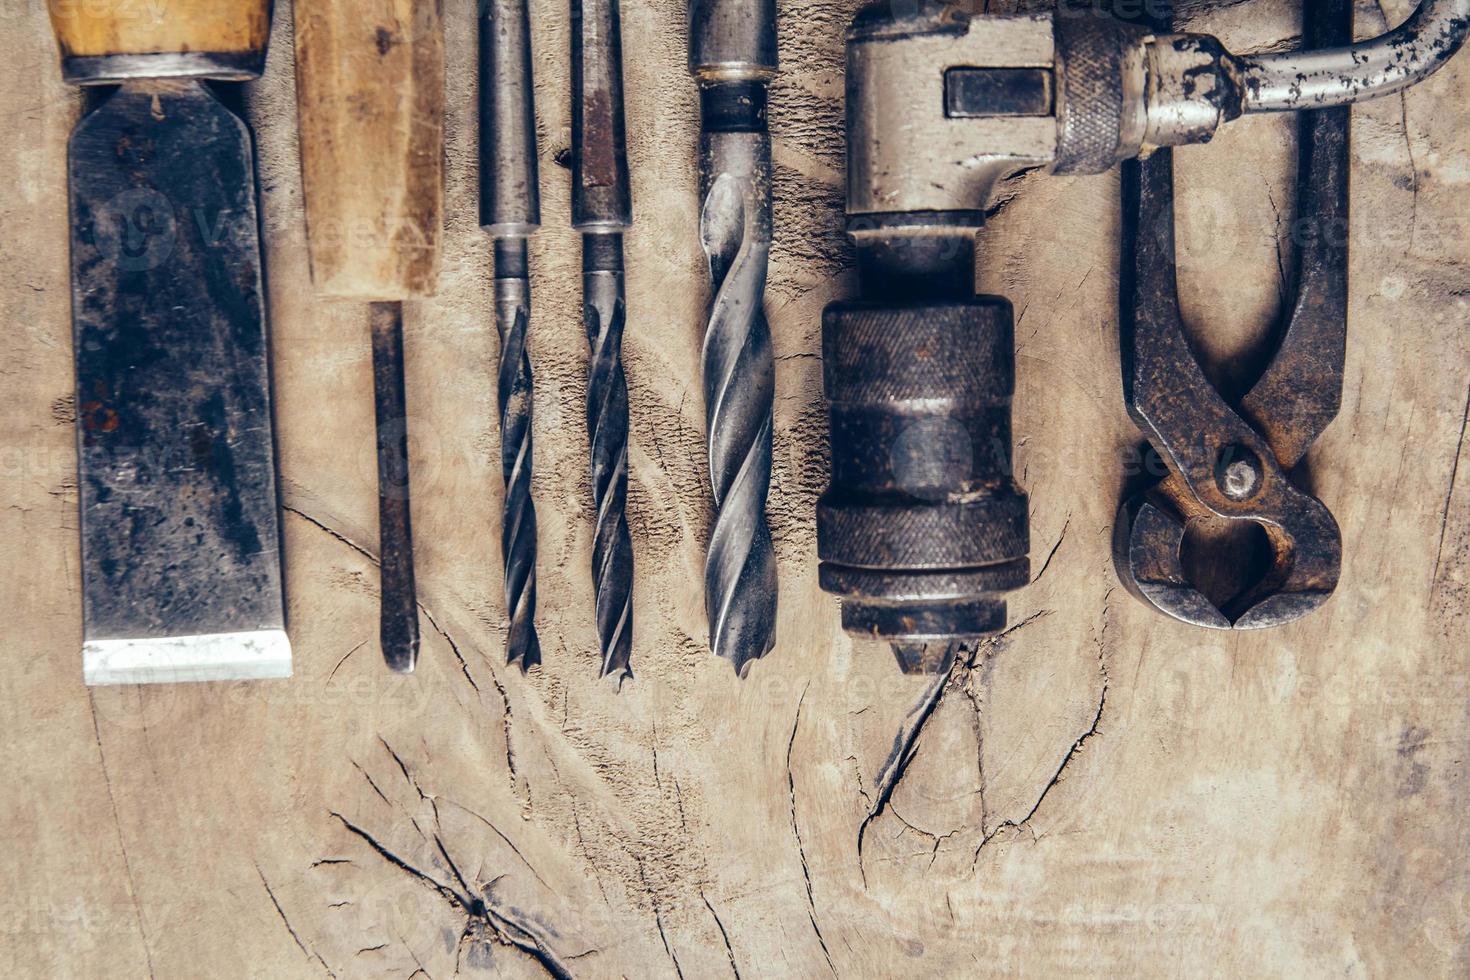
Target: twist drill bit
601, 210
732, 55
510, 210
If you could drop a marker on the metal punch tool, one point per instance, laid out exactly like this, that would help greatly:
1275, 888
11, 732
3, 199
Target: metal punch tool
1232, 460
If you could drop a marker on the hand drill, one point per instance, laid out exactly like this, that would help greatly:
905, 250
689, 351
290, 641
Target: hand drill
923, 531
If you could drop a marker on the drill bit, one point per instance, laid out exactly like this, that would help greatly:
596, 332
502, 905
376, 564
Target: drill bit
510, 210
601, 211
732, 55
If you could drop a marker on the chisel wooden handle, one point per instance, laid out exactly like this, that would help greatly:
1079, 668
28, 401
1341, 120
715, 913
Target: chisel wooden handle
116, 40
370, 88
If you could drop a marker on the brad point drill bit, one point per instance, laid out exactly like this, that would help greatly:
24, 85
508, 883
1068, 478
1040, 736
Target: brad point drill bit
732, 55
510, 210
601, 210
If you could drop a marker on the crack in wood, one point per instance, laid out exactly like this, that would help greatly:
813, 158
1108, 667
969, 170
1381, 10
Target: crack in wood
501, 834
1054, 549
811, 904
596, 871
117, 827
370, 782
1444, 517
333, 532
464, 668
309, 953
507, 931
979, 731
729, 950
659, 921
1081, 740
1009, 824
906, 742
344, 659
401, 767
433, 622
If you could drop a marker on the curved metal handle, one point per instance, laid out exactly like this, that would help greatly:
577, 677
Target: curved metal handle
1404, 56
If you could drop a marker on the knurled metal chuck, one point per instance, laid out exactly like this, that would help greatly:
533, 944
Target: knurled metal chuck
922, 530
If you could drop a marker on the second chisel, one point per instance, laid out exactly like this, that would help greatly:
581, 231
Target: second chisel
370, 88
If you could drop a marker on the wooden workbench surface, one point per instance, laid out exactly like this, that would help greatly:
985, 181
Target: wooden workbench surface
1101, 791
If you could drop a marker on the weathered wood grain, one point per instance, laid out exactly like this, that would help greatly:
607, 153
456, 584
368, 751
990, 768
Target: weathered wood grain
1097, 792
370, 88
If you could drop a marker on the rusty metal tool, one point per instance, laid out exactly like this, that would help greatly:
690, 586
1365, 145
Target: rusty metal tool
1231, 461
602, 210
181, 571
732, 56
370, 91
510, 211
923, 530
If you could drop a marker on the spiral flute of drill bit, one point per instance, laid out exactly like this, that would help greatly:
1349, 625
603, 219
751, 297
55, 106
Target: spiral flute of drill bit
601, 209
515, 391
603, 312
739, 389
732, 55
510, 210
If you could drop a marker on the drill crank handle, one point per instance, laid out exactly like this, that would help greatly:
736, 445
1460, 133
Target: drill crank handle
942, 109
1408, 54
1185, 85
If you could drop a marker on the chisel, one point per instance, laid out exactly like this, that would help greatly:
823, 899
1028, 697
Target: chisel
181, 575
370, 91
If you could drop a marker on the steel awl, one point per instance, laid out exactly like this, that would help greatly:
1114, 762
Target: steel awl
181, 572
370, 90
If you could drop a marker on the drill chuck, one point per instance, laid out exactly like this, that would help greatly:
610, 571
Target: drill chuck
922, 530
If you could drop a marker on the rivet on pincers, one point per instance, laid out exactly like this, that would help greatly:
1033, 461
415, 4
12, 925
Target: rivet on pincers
1238, 472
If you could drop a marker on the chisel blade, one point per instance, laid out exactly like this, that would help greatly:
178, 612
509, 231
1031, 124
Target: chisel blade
181, 574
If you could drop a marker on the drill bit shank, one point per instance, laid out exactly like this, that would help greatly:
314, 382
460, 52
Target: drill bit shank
510, 210
601, 210
732, 55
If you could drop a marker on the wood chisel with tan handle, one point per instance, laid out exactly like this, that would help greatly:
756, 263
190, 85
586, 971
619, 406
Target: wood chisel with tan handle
180, 557
370, 89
